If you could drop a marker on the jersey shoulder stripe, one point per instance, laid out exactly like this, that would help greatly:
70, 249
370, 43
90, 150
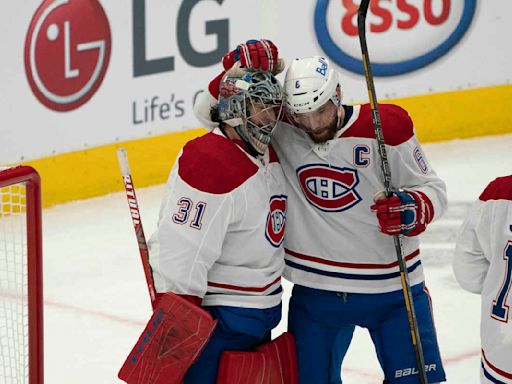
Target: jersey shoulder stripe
498, 189
214, 164
396, 123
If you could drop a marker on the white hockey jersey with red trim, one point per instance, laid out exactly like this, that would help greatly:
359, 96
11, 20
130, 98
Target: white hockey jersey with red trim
221, 226
483, 264
332, 238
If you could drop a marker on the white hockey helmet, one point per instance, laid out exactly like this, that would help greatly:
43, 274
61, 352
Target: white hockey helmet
311, 82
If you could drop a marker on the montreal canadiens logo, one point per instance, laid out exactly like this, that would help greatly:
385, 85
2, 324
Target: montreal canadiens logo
328, 188
276, 220
67, 51
402, 36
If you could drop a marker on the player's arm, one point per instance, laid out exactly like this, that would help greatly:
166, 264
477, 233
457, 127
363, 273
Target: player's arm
202, 107
191, 230
470, 266
420, 195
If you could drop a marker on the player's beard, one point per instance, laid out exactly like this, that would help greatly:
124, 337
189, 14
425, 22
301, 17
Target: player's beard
324, 134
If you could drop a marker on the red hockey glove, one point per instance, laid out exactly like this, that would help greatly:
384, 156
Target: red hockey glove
404, 212
254, 54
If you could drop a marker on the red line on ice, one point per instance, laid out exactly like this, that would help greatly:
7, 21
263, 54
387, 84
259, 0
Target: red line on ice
103, 315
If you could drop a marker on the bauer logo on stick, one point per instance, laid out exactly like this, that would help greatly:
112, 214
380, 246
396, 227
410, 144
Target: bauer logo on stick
67, 51
329, 188
404, 35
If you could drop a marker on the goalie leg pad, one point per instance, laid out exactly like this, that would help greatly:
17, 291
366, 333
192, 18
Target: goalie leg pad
172, 340
272, 363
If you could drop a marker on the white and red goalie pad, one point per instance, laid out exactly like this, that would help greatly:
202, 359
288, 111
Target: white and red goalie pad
272, 363
172, 340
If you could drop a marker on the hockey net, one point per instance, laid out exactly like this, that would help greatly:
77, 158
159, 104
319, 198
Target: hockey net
21, 312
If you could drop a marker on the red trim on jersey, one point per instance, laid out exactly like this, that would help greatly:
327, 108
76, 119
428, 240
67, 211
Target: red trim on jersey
214, 164
244, 289
498, 189
272, 155
396, 124
350, 265
501, 372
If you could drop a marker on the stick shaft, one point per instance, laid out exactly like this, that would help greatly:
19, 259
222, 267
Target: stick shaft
386, 171
136, 220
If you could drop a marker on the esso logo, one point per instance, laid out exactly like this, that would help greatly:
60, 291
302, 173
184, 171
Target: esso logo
276, 220
402, 35
329, 188
67, 51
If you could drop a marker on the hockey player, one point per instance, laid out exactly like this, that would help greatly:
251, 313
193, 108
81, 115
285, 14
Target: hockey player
483, 264
338, 250
222, 221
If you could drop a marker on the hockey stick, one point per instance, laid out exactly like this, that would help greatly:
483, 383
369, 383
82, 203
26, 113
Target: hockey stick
404, 276
137, 223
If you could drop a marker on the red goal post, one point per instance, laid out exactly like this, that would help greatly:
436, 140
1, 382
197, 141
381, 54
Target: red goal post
21, 284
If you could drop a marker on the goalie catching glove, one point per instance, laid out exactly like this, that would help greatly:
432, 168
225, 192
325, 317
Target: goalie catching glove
403, 213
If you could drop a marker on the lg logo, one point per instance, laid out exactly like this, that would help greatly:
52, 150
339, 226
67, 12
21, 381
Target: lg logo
184, 27
67, 51
68, 43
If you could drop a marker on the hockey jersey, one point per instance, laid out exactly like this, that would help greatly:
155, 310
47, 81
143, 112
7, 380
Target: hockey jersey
483, 264
221, 226
332, 238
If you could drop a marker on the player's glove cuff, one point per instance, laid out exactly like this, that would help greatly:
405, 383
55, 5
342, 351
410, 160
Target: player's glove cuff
404, 212
190, 298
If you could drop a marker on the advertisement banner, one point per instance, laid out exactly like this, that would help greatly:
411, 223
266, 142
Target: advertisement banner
78, 74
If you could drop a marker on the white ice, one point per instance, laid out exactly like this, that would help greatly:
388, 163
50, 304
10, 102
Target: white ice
96, 300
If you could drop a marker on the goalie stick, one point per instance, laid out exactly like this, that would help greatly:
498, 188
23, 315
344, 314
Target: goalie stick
404, 276
136, 220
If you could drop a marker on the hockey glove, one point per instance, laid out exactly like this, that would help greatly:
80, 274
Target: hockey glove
404, 212
254, 54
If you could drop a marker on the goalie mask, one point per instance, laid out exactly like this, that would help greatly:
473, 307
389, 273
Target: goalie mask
251, 103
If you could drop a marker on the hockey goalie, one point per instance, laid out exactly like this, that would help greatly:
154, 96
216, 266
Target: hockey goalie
217, 255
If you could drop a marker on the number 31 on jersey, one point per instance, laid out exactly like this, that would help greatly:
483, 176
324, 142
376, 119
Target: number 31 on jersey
185, 205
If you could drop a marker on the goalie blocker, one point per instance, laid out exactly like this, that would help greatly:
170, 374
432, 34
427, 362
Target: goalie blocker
175, 336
